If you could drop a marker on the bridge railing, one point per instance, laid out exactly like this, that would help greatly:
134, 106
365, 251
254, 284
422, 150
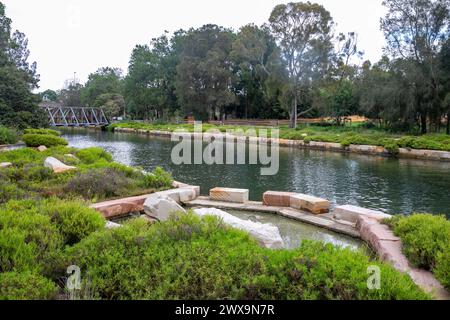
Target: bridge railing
76, 116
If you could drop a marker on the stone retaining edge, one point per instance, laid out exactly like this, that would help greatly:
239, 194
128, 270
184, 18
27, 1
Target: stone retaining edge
421, 154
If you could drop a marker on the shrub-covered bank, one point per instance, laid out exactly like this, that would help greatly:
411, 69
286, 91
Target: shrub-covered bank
183, 258
356, 135
97, 177
426, 242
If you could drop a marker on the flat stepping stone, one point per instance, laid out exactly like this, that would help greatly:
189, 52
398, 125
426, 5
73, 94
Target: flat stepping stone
277, 199
352, 213
229, 195
309, 203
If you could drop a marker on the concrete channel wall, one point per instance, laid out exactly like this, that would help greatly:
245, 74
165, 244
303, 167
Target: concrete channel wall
421, 154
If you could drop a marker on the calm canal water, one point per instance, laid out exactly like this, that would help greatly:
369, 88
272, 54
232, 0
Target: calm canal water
391, 185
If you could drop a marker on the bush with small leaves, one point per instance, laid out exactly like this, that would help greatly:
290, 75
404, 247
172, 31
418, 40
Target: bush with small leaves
158, 179
194, 259
426, 242
42, 131
48, 140
26, 286
8, 136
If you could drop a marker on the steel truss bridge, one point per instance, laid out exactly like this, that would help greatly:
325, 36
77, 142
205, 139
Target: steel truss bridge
75, 116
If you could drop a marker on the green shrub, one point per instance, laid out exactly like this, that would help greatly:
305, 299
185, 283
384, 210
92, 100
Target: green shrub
74, 219
15, 252
426, 242
36, 140
192, 258
42, 131
92, 155
29, 241
442, 269
99, 184
26, 286
158, 179
7, 136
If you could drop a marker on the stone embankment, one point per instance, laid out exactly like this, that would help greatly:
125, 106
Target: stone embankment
353, 221
421, 154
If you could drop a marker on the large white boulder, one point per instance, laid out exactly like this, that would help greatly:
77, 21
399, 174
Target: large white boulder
57, 166
5, 164
267, 235
160, 207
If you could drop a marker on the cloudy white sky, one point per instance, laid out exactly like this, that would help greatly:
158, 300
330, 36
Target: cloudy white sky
67, 36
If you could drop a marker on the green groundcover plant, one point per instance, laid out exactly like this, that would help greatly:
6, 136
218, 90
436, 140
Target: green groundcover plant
186, 257
356, 135
97, 176
426, 242
48, 140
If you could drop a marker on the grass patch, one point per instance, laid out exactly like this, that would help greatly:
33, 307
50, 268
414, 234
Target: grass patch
426, 242
350, 135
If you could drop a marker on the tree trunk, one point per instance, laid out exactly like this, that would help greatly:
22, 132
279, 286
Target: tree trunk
294, 114
424, 123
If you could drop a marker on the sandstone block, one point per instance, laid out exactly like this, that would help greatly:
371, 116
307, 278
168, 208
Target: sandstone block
277, 199
229, 195
309, 203
42, 148
351, 213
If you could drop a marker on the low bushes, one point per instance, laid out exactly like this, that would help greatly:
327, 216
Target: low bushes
158, 179
92, 155
426, 242
97, 177
192, 258
26, 286
48, 140
33, 234
8, 136
42, 131
357, 135
99, 184
33, 237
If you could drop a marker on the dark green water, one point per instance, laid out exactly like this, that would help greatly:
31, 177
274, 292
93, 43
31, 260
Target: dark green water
391, 185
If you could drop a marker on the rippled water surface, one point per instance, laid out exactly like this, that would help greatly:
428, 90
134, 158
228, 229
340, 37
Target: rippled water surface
391, 185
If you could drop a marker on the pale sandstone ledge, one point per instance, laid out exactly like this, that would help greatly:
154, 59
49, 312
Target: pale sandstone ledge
420, 154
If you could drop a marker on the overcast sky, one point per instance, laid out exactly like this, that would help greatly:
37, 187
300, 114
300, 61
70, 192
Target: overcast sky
67, 36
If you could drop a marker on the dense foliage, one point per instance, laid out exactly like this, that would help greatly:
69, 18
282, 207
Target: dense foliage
48, 140
294, 65
97, 176
18, 105
190, 258
7, 136
426, 242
